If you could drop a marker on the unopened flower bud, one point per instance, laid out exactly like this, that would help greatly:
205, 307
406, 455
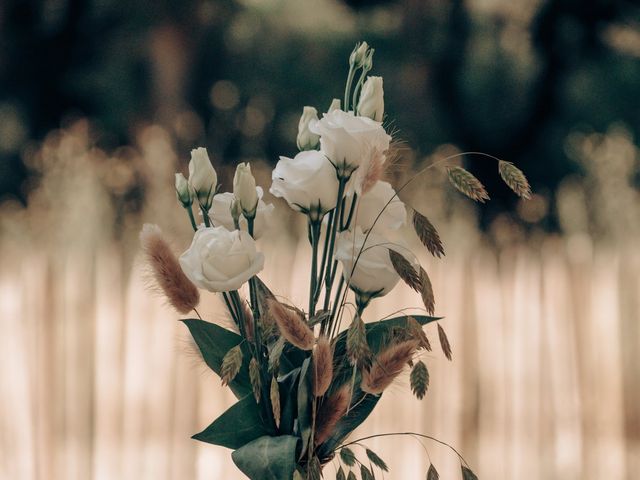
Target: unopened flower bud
371, 103
307, 140
202, 177
358, 54
244, 189
182, 191
236, 213
367, 63
335, 105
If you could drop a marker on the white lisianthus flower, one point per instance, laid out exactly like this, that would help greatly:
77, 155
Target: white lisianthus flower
183, 192
371, 204
374, 275
244, 189
221, 213
220, 260
335, 105
308, 183
307, 140
350, 142
371, 103
359, 54
202, 177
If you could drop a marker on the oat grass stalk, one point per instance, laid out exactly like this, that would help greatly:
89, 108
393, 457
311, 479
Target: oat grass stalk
358, 350
427, 234
426, 292
515, 179
322, 366
274, 396
254, 378
181, 293
231, 364
292, 325
331, 410
444, 343
467, 184
433, 474
405, 270
416, 331
387, 366
419, 379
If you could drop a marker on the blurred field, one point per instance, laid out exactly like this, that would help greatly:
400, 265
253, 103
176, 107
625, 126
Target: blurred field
99, 381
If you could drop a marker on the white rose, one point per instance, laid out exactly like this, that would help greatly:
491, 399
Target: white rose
371, 204
220, 260
221, 215
350, 142
308, 183
202, 176
244, 189
374, 274
371, 103
307, 140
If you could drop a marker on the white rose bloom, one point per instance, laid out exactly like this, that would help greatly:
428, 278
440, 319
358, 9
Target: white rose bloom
220, 260
220, 213
371, 203
244, 189
371, 103
202, 176
374, 273
349, 141
307, 140
308, 182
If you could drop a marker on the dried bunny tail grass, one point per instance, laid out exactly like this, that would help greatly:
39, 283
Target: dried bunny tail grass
428, 234
374, 172
247, 316
322, 366
387, 366
332, 409
515, 179
179, 290
292, 325
405, 270
467, 184
426, 292
444, 343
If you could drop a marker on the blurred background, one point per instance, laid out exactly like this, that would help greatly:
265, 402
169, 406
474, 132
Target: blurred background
101, 102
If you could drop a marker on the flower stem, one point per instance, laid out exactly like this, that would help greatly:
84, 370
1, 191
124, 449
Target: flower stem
314, 228
347, 88
205, 216
334, 230
189, 210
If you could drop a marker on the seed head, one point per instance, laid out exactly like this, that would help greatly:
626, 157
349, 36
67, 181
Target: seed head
231, 364
387, 366
405, 270
428, 234
332, 409
467, 184
515, 179
419, 379
444, 343
322, 366
292, 325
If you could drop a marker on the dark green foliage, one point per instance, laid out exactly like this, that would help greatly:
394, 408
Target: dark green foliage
267, 458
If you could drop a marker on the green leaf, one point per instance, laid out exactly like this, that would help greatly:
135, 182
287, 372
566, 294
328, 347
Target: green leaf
304, 404
214, 342
236, 427
267, 458
376, 460
467, 474
289, 383
347, 456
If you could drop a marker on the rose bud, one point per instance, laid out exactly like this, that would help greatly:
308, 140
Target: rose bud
307, 140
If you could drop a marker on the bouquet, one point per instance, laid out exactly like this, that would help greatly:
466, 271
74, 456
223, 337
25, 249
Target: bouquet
306, 376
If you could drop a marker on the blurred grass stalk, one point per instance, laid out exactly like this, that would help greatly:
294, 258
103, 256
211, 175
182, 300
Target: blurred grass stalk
545, 382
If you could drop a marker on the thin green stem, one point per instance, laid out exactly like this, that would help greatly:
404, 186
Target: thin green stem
205, 216
347, 88
189, 210
334, 230
314, 226
356, 92
325, 250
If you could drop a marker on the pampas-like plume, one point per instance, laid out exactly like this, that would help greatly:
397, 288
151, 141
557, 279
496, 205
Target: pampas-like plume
428, 234
292, 325
182, 294
375, 169
467, 184
331, 410
387, 366
322, 366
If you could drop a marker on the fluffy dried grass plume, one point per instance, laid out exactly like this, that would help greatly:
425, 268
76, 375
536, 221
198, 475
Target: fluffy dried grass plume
292, 325
322, 366
332, 409
467, 184
387, 366
181, 293
374, 172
